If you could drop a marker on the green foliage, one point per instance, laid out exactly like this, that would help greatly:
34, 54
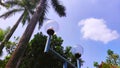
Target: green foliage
3, 62
60, 9
112, 58
22, 6
112, 61
96, 64
10, 46
3, 33
35, 54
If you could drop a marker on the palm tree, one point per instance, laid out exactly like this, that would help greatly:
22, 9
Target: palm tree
23, 5
22, 45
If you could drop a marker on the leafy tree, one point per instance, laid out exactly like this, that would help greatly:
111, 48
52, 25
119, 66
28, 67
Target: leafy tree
22, 45
35, 53
112, 61
112, 58
3, 33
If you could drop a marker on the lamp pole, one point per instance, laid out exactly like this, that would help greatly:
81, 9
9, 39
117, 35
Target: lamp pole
77, 50
50, 32
65, 64
78, 55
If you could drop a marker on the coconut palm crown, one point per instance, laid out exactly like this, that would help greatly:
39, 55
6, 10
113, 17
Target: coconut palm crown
15, 6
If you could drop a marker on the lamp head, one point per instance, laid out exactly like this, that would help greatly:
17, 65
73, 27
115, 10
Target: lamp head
50, 31
77, 50
51, 27
77, 55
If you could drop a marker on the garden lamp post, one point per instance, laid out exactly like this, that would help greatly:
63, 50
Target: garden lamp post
77, 56
78, 51
50, 27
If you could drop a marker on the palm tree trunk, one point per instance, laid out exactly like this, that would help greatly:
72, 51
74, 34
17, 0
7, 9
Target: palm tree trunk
22, 45
10, 33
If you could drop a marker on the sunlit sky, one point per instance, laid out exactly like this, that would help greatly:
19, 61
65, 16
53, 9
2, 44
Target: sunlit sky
93, 24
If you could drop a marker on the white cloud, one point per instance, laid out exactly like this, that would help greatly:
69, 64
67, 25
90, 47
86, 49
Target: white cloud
96, 29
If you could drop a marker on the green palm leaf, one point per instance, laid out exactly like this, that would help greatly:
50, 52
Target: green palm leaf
60, 9
42, 17
15, 3
9, 13
25, 17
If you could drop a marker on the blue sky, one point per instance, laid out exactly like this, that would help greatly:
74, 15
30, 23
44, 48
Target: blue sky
93, 24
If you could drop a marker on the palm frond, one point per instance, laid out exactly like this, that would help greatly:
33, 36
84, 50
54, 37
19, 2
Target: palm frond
26, 17
60, 9
29, 4
13, 3
9, 13
42, 17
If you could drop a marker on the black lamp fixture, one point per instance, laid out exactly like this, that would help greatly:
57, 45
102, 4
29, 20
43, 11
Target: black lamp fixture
77, 50
51, 27
77, 55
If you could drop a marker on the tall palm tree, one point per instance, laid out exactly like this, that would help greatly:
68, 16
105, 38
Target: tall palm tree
22, 45
22, 5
